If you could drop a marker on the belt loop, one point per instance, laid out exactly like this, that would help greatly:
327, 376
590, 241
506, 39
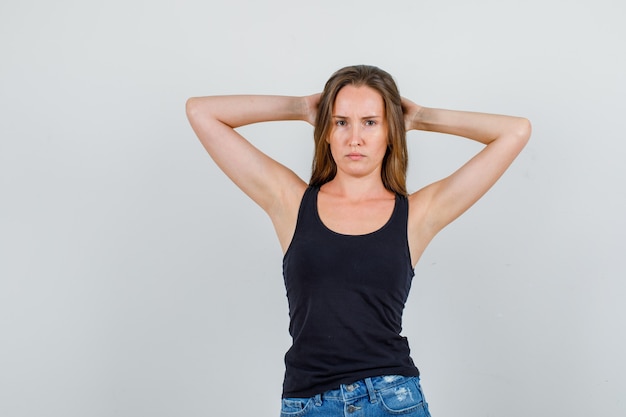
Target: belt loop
318, 400
370, 390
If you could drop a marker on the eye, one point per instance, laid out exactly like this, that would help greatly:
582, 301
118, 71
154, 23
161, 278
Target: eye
370, 122
340, 123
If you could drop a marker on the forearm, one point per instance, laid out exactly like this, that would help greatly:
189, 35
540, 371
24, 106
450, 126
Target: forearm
240, 110
481, 127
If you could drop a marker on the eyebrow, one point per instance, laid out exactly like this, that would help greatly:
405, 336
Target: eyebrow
337, 116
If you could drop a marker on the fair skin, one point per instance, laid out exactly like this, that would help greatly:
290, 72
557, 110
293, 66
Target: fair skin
355, 201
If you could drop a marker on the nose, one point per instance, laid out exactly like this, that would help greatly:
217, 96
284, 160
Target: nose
355, 139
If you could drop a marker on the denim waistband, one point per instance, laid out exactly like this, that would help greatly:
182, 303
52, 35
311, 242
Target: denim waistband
363, 388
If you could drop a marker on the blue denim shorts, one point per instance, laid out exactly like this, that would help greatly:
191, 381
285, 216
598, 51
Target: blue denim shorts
371, 397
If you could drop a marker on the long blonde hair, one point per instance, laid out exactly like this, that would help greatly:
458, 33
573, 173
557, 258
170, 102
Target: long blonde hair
395, 161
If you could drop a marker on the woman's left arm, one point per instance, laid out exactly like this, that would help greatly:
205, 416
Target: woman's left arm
504, 137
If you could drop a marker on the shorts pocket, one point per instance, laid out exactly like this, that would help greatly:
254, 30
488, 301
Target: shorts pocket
294, 407
404, 398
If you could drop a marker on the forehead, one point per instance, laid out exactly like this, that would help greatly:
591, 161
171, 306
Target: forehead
361, 100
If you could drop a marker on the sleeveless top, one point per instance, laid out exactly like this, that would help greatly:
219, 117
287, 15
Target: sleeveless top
346, 295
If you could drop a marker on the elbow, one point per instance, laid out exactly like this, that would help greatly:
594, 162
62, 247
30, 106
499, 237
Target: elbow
191, 108
523, 130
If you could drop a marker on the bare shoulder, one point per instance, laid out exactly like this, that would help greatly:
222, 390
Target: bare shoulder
284, 211
421, 230
419, 203
291, 196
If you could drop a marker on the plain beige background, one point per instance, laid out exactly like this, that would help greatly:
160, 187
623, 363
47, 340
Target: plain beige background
136, 280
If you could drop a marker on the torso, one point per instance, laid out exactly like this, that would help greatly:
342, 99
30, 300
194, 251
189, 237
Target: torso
346, 288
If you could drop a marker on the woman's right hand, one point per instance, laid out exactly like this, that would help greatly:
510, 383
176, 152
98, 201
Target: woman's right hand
311, 104
412, 113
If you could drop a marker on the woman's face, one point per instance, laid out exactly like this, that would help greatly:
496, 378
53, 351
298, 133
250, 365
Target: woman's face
358, 138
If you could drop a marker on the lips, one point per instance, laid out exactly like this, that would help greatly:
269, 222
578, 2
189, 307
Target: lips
355, 156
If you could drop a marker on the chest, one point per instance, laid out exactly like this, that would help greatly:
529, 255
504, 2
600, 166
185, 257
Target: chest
329, 252
354, 218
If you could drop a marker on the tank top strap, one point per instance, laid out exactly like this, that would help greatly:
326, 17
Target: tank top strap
400, 217
308, 208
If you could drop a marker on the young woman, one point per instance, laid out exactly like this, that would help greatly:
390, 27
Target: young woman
351, 237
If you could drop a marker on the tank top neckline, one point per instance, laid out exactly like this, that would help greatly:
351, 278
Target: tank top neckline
380, 229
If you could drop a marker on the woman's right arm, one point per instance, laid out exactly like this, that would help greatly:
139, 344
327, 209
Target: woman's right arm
214, 120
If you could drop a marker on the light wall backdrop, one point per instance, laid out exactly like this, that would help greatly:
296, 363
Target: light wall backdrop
137, 280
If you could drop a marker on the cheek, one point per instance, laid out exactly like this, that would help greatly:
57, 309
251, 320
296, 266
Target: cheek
331, 135
335, 138
331, 144
336, 134
380, 137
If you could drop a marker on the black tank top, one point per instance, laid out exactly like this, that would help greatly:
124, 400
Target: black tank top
346, 295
